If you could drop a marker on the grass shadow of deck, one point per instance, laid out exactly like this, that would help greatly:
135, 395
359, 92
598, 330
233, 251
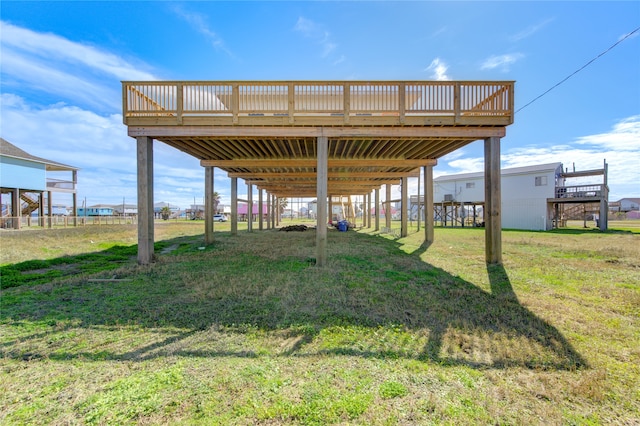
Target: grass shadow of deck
264, 284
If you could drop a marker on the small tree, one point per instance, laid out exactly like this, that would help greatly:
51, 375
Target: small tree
216, 201
165, 212
282, 204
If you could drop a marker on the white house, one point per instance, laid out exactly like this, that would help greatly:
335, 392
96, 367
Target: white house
525, 191
629, 204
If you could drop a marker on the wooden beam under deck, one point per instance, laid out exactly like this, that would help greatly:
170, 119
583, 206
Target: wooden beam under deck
332, 174
430, 132
311, 163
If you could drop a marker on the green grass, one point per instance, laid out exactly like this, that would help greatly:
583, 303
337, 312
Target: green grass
249, 331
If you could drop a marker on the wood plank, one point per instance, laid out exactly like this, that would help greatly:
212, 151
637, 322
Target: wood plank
428, 205
492, 194
347, 174
308, 162
321, 197
145, 200
211, 131
208, 205
234, 206
404, 230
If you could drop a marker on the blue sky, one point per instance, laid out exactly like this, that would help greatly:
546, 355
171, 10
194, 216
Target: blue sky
62, 63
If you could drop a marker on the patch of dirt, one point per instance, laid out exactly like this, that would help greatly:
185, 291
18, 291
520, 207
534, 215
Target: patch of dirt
169, 249
296, 228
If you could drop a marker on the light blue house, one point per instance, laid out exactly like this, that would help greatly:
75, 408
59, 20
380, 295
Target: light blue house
27, 185
97, 210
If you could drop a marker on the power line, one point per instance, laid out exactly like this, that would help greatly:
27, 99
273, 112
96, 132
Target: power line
580, 69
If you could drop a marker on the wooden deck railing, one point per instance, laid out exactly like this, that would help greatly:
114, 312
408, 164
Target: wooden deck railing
289, 102
60, 185
582, 191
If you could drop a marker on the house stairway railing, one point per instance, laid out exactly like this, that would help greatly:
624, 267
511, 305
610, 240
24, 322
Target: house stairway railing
29, 205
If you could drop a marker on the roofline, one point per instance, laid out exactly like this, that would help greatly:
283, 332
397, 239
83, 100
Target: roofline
509, 171
42, 161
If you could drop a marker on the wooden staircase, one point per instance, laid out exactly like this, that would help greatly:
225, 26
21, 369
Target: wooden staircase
579, 211
348, 211
29, 205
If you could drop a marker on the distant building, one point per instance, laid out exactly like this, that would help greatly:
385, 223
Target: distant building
125, 209
31, 181
97, 210
629, 204
533, 197
175, 211
243, 211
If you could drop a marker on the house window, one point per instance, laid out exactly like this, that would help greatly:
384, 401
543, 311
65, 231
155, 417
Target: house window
448, 197
541, 181
470, 185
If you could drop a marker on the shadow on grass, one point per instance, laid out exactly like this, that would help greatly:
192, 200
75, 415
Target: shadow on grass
256, 294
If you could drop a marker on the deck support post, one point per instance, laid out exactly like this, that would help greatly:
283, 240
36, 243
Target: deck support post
50, 209
387, 206
75, 197
269, 210
208, 205
428, 205
273, 211
16, 213
268, 204
369, 210
260, 209
404, 231
321, 195
41, 209
603, 219
330, 208
418, 201
234, 206
145, 199
377, 203
249, 207
492, 201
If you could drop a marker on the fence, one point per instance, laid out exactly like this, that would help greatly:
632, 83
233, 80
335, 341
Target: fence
12, 222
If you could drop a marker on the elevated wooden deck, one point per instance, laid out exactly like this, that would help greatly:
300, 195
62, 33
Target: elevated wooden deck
265, 132
317, 138
318, 103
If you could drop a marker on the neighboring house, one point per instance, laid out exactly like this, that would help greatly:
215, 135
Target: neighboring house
97, 210
243, 211
525, 191
30, 180
533, 197
125, 209
629, 204
59, 210
157, 208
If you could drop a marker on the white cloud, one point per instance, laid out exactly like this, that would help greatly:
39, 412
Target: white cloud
467, 165
438, 70
198, 21
54, 47
319, 35
100, 147
527, 32
619, 147
55, 65
501, 61
624, 136
307, 27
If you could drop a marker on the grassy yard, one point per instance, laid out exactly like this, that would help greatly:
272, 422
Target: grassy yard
248, 331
